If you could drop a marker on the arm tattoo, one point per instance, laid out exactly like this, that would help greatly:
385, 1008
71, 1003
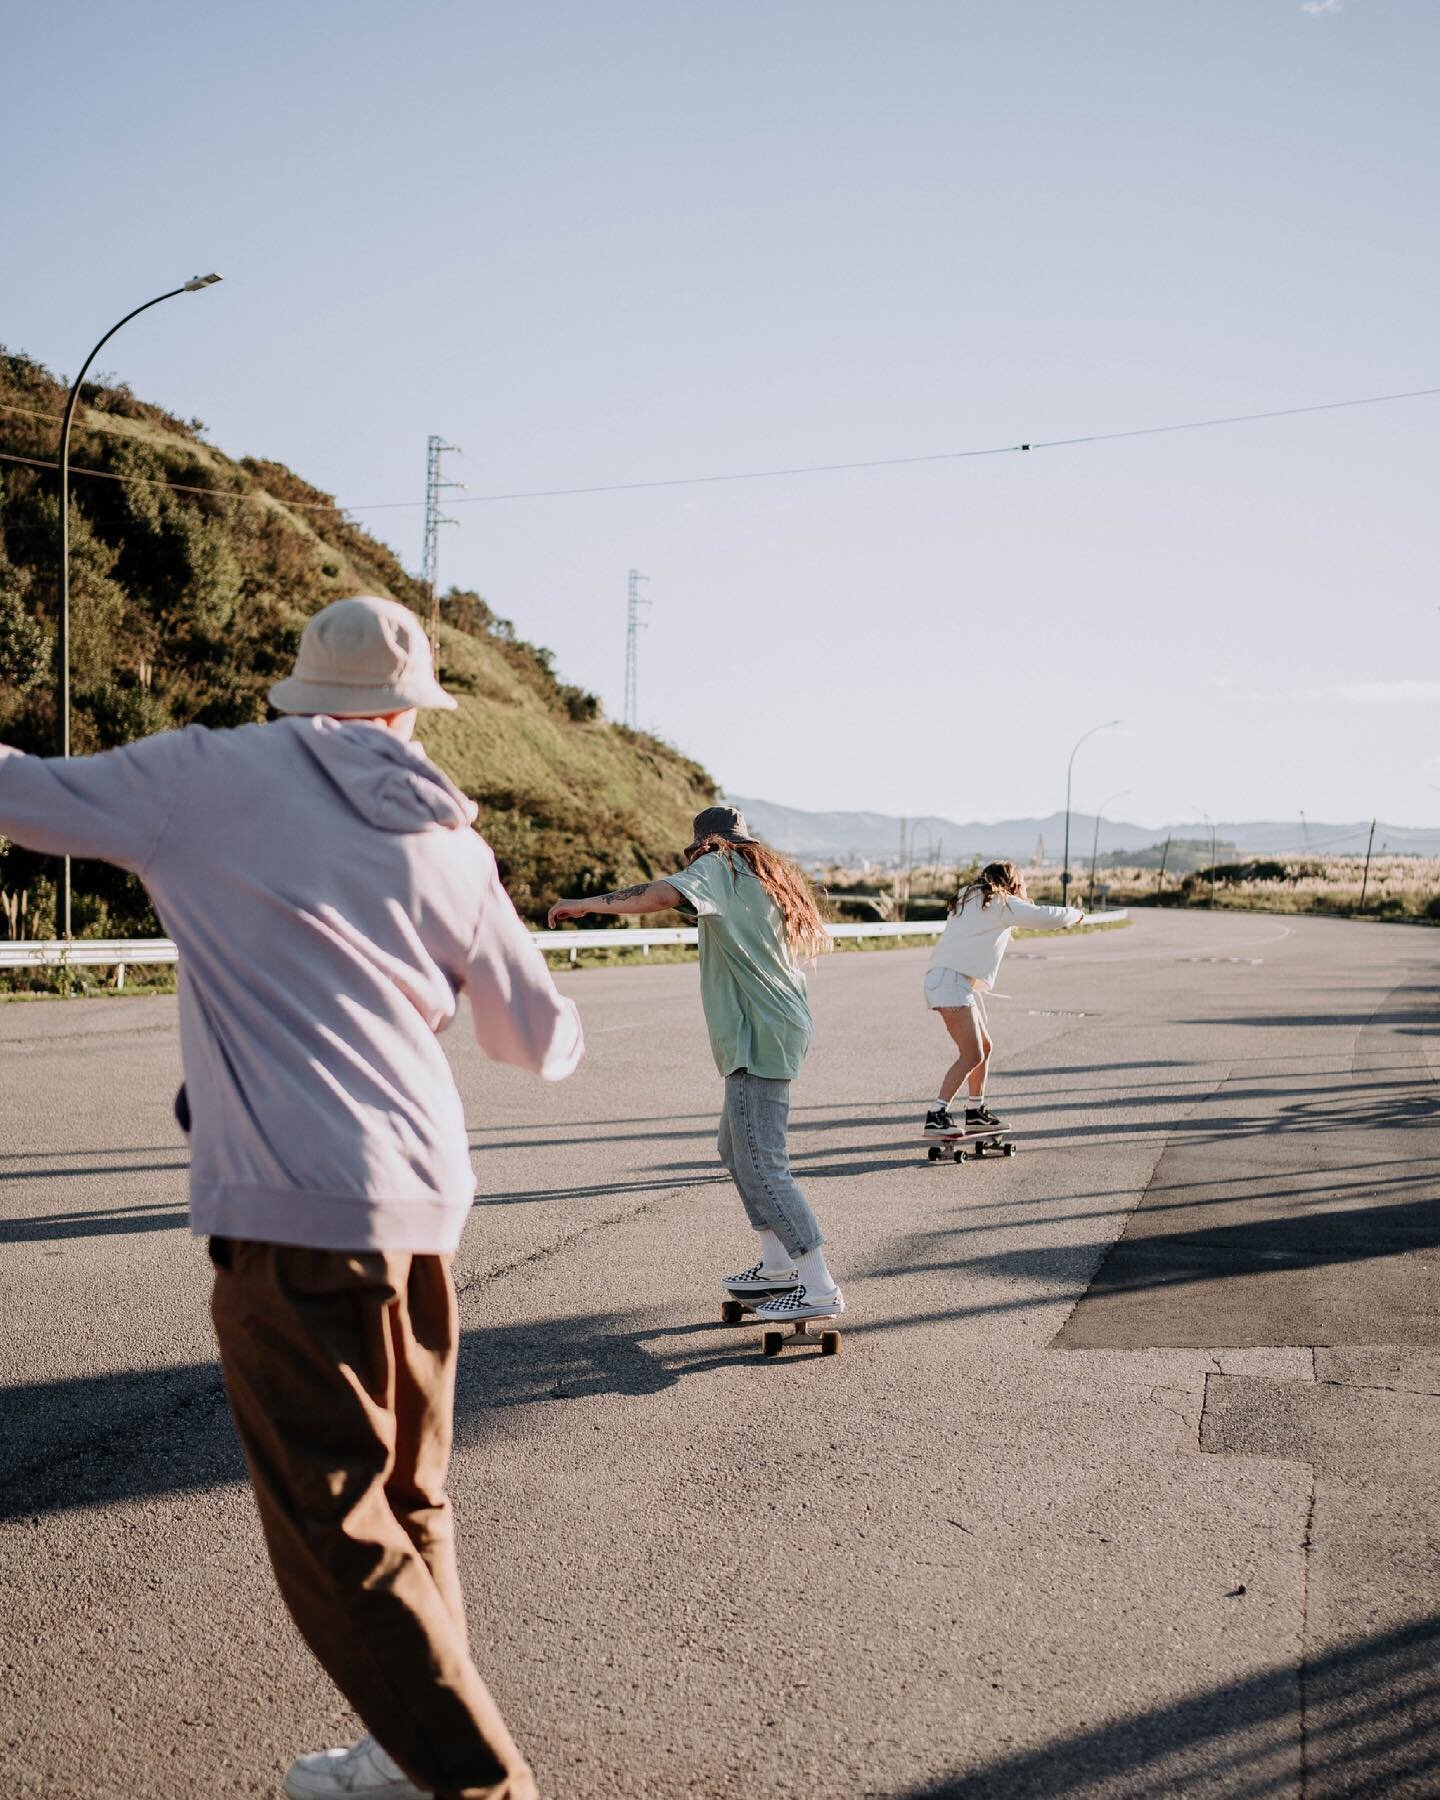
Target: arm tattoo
628, 893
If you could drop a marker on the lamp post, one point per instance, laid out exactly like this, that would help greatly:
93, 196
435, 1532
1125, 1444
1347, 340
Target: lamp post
910, 859
1069, 772
193, 286
1211, 823
1095, 844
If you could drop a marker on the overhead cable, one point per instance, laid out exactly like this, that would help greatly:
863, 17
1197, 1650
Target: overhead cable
897, 462
183, 487
769, 474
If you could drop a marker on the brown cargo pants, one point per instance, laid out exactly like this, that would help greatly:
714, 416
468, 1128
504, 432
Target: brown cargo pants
340, 1370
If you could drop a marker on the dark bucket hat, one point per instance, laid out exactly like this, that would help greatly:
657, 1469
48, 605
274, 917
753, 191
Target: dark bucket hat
721, 821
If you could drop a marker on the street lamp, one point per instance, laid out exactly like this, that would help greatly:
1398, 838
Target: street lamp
193, 286
1095, 845
1069, 771
910, 860
1211, 823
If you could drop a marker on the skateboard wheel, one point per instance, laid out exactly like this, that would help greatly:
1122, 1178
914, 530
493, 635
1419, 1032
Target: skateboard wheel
829, 1343
1009, 1149
731, 1312
771, 1342
960, 1156
934, 1153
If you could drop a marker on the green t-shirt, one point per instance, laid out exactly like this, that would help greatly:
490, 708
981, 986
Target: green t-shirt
752, 991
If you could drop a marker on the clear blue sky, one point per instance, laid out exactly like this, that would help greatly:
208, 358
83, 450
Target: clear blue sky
610, 242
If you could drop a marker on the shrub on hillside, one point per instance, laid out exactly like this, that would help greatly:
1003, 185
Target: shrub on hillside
26, 649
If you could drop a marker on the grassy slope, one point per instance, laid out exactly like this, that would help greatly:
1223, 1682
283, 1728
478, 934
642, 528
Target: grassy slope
571, 802
575, 806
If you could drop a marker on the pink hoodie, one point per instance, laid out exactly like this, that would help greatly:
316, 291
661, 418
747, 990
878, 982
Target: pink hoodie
330, 902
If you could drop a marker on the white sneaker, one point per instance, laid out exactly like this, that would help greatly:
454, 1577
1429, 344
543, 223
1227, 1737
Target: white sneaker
762, 1281
365, 1768
788, 1309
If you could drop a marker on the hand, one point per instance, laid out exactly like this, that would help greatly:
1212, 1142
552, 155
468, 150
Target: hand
566, 909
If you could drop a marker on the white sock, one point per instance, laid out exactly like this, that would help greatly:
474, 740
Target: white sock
938, 1105
773, 1254
815, 1272
972, 1101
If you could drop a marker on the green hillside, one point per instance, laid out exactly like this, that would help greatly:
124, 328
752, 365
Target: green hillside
187, 601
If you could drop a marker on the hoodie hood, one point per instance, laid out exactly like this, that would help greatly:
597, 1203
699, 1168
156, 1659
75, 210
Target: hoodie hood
389, 783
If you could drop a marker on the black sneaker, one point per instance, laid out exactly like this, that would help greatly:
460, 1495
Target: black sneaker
939, 1119
982, 1119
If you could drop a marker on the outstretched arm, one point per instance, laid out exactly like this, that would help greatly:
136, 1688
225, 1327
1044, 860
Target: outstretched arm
1030, 917
113, 805
644, 897
520, 1018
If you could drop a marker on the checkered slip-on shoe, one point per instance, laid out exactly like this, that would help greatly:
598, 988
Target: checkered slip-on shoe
761, 1281
789, 1309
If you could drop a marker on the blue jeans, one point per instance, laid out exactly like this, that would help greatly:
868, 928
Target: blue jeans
752, 1147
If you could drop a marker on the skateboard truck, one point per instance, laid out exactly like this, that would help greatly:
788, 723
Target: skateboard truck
732, 1312
774, 1339
983, 1144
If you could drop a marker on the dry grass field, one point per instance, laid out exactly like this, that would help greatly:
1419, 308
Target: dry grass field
1398, 888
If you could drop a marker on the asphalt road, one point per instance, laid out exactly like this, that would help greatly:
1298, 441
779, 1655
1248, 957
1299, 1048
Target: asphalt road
1124, 1483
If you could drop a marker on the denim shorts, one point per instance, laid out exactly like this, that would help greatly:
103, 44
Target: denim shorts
948, 987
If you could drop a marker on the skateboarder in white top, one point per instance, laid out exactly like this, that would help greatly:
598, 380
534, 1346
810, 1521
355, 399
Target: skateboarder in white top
963, 967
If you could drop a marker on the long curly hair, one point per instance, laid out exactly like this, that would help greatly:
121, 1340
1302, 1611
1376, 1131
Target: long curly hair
782, 881
995, 878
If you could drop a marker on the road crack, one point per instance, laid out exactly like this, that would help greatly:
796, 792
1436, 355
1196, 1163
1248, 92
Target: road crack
495, 1271
1303, 1670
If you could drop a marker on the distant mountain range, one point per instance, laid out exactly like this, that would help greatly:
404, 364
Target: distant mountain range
875, 837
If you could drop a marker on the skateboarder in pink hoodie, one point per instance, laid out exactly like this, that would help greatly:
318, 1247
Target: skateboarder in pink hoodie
330, 902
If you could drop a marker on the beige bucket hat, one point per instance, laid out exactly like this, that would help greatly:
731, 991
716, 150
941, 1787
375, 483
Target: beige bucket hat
361, 658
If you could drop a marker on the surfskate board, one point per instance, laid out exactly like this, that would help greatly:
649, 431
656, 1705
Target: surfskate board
962, 1146
775, 1337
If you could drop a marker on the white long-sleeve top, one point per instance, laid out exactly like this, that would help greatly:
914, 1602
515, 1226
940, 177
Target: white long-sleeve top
330, 902
975, 938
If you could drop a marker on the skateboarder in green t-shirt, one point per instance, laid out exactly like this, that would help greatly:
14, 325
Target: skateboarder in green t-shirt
758, 920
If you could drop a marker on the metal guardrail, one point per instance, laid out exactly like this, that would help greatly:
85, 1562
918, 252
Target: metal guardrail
120, 953
76, 953
618, 938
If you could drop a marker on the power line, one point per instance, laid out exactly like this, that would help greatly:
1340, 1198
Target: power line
1329, 843
182, 487
95, 424
829, 468
897, 462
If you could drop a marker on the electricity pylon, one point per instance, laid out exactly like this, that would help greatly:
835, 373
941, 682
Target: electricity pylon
634, 625
435, 448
